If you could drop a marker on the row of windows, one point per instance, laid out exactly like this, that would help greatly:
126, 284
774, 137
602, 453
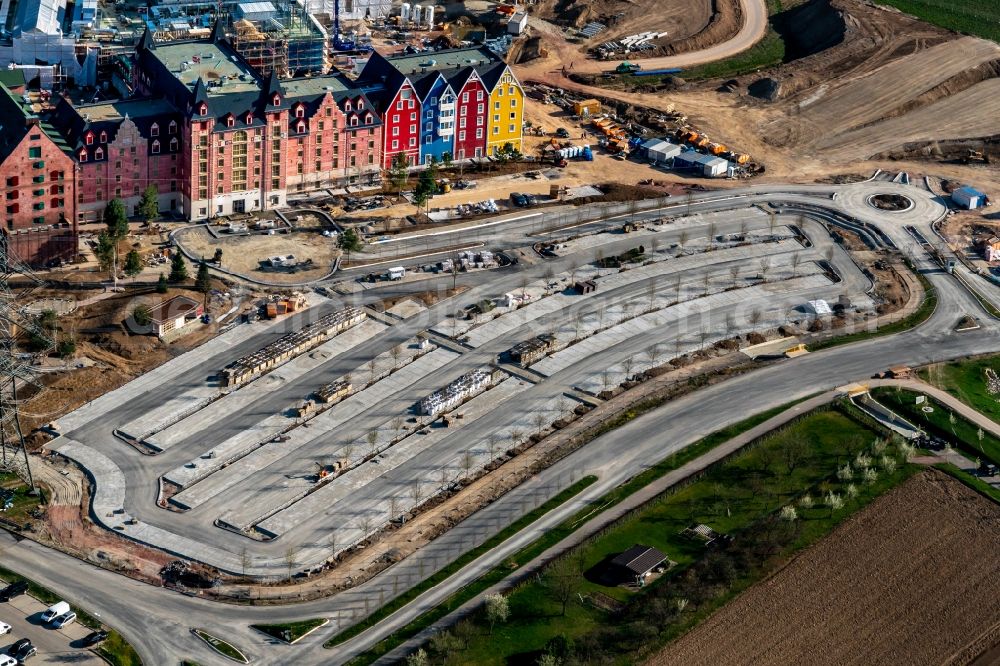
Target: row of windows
99, 152
154, 130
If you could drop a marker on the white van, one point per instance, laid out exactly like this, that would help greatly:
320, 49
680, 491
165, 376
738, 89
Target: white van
397, 273
54, 611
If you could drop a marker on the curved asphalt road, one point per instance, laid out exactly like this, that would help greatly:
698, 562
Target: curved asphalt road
157, 621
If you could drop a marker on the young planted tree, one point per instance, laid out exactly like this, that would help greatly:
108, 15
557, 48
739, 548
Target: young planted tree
372, 439
117, 229
178, 269
349, 242
203, 281
149, 204
561, 581
161, 284
105, 252
142, 315
497, 609
398, 170
133, 264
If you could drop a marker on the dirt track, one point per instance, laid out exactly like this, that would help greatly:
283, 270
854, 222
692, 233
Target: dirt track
913, 579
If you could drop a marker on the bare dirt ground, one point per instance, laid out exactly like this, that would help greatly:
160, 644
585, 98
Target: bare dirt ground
891, 93
680, 18
244, 254
914, 578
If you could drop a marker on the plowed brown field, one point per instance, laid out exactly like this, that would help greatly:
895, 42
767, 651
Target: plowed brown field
912, 579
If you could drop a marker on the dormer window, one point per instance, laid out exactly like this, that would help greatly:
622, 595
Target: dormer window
172, 128
203, 109
354, 121
347, 105
300, 112
230, 121
276, 100
90, 138
300, 127
361, 104
83, 155
156, 147
104, 137
173, 145
249, 119
99, 154
368, 119
154, 130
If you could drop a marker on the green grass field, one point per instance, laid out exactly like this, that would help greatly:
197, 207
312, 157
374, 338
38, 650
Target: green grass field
966, 380
962, 434
976, 17
739, 496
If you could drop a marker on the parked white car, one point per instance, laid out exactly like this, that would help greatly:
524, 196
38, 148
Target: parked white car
64, 620
7, 661
4, 628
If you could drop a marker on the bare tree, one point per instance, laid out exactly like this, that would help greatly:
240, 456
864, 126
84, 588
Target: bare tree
245, 561
706, 280
393, 508
417, 492
627, 365
574, 266
730, 325
371, 371
396, 352
365, 525
331, 543
755, 318
397, 426
653, 354
688, 201
772, 221
712, 231
540, 423
652, 246
492, 442
734, 273
516, 437
795, 261
561, 580
743, 229
682, 239
651, 294
347, 451
290, 554
764, 265
372, 438
467, 462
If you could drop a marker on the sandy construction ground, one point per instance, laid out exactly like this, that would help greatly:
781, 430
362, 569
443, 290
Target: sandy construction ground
244, 254
912, 579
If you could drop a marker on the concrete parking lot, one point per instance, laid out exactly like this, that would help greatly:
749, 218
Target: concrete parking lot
55, 646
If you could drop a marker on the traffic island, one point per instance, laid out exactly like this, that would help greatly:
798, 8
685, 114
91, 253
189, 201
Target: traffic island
227, 650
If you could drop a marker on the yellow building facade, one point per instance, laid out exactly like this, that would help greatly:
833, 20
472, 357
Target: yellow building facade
506, 112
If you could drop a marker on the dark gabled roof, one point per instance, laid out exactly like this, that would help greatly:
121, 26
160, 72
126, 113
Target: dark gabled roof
491, 74
13, 123
75, 122
146, 43
459, 77
639, 559
200, 93
218, 32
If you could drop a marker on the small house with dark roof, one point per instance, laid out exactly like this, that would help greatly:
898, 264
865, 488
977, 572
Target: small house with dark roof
174, 314
636, 563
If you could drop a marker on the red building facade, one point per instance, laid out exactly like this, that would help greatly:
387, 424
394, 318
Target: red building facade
470, 117
38, 184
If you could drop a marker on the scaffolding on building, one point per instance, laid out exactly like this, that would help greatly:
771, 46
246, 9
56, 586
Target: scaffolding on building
290, 43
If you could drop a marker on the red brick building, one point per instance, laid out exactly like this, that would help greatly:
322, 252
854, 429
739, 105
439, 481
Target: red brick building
247, 141
37, 176
121, 148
